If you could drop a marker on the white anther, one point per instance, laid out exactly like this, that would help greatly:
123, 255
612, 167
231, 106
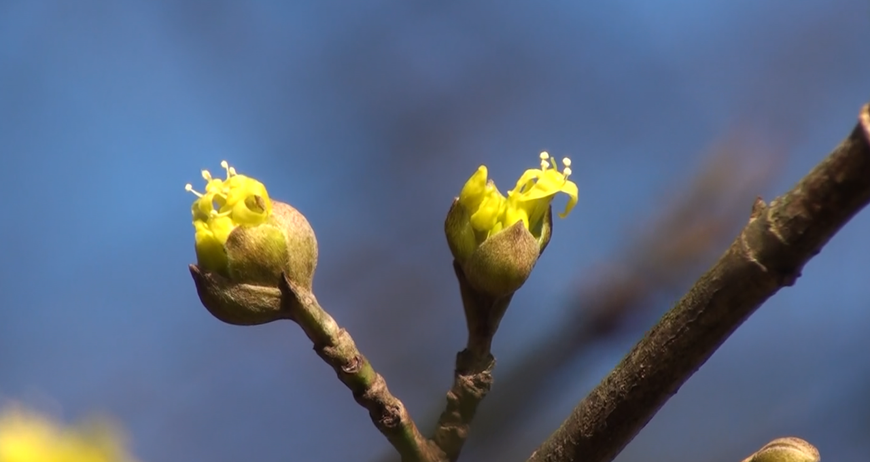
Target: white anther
226, 166
189, 188
206, 175
566, 171
566, 162
232, 171
545, 156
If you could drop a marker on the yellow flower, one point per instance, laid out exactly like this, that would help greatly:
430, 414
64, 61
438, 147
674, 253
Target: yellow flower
246, 245
496, 240
29, 437
491, 212
226, 204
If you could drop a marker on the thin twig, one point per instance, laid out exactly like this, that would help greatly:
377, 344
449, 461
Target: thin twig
767, 255
336, 347
472, 377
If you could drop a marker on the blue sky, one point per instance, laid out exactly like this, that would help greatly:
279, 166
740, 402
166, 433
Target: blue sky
369, 118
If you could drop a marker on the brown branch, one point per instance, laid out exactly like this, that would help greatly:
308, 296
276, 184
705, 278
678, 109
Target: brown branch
336, 347
471, 382
767, 255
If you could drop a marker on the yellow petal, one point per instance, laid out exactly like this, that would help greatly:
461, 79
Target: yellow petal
474, 191
489, 210
528, 202
526, 180
201, 209
548, 184
247, 201
210, 252
225, 205
570, 189
513, 215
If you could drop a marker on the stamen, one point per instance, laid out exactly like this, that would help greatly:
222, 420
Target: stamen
233, 171
189, 188
206, 176
566, 172
544, 157
226, 166
566, 162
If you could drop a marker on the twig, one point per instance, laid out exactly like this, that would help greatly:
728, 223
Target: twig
472, 377
767, 255
336, 347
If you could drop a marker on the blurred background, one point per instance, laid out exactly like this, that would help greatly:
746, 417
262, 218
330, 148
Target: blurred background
369, 117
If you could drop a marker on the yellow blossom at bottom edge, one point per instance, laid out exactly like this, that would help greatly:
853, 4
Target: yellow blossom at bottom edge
29, 437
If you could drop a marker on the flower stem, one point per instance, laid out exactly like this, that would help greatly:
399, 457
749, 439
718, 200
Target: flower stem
472, 377
336, 347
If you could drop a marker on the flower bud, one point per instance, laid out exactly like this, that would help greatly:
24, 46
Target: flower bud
788, 449
502, 264
245, 244
497, 240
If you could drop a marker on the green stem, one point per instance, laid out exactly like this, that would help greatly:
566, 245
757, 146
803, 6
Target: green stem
472, 377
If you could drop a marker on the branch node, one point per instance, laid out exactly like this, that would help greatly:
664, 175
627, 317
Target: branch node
353, 366
758, 208
391, 416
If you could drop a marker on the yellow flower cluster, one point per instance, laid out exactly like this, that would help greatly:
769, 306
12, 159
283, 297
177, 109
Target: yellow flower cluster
226, 204
29, 437
528, 202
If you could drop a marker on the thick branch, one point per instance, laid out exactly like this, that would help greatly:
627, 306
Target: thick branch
336, 347
768, 254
